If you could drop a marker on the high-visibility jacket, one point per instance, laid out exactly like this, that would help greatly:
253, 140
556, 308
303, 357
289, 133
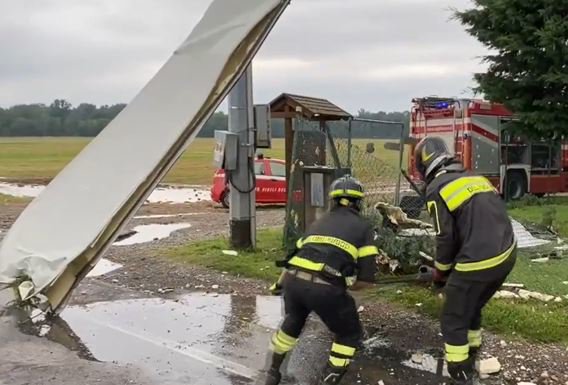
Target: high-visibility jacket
474, 235
338, 245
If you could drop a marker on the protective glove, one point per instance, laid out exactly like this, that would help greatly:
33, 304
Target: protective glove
276, 289
439, 278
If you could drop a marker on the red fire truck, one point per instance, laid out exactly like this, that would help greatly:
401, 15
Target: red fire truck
476, 132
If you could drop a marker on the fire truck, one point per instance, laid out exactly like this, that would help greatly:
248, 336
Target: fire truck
476, 131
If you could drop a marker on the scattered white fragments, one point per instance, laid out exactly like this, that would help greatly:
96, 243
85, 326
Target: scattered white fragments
417, 358
526, 383
525, 294
514, 285
488, 366
540, 260
505, 294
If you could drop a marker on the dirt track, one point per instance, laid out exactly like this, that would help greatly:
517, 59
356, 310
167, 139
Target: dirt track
146, 273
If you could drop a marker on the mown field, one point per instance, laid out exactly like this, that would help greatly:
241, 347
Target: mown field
40, 159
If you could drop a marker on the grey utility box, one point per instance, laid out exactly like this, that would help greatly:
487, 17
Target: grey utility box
226, 150
262, 127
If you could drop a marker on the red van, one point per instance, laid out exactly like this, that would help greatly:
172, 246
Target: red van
270, 183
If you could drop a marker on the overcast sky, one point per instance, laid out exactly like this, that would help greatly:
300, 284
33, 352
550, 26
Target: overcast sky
372, 54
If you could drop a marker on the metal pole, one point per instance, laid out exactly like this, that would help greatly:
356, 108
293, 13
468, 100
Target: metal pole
349, 143
242, 183
400, 158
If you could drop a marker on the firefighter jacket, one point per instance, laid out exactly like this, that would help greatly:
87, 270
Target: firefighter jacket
338, 245
473, 231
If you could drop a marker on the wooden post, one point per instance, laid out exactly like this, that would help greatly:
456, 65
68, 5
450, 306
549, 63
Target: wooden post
288, 145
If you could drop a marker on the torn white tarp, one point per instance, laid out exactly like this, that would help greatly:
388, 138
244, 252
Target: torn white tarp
524, 237
62, 233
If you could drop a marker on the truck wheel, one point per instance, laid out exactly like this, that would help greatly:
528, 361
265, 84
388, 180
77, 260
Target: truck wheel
412, 205
226, 199
516, 185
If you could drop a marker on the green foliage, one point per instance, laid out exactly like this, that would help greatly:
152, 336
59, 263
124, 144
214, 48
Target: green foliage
405, 249
527, 65
549, 212
60, 118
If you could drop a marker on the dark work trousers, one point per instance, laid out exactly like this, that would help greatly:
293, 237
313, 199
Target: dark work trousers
461, 315
333, 305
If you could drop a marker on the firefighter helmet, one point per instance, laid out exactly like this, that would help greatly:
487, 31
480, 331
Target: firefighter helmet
347, 191
430, 154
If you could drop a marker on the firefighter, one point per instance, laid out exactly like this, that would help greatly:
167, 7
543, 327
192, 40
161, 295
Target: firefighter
475, 249
336, 247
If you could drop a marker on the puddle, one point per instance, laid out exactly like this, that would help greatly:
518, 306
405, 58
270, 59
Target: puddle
153, 232
157, 216
204, 339
179, 195
159, 195
103, 266
197, 339
20, 191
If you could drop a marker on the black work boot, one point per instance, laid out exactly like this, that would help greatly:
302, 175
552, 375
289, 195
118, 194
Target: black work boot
473, 353
273, 375
331, 375
462, 372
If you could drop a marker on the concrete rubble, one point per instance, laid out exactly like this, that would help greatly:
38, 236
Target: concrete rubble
488, 366
527, 295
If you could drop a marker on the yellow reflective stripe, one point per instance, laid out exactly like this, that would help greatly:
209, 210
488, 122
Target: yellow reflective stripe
352, 193
461, 190
488, 263
338, 362
306, 264
367, 251
299, 243
339, 243
474, 338
282, 343
343, 349
441, 266
433, 211
457, 353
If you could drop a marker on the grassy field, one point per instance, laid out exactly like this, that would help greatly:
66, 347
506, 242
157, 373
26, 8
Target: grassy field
552, 211
36, 159
532, 320
8, 199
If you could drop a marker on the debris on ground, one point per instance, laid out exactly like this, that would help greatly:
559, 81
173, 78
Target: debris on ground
398, 217
514, 285
526, 295
230, 252
488, 366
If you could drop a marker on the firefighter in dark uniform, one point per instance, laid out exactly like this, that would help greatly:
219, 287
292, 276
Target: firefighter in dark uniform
475, 249
336, 247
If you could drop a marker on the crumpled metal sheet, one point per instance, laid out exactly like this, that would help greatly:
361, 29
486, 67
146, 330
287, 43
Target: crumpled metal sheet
65, 230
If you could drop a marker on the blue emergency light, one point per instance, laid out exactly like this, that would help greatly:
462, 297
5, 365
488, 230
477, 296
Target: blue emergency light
442, 105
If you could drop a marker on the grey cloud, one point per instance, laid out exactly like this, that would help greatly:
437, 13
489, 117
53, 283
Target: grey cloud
360, 53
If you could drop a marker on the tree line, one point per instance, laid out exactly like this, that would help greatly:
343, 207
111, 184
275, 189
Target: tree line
60, 118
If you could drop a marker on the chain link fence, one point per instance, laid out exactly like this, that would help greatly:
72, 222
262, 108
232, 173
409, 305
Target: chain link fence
375, 162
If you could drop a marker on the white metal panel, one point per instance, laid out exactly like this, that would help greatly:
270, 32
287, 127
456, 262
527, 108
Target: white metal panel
62, 233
